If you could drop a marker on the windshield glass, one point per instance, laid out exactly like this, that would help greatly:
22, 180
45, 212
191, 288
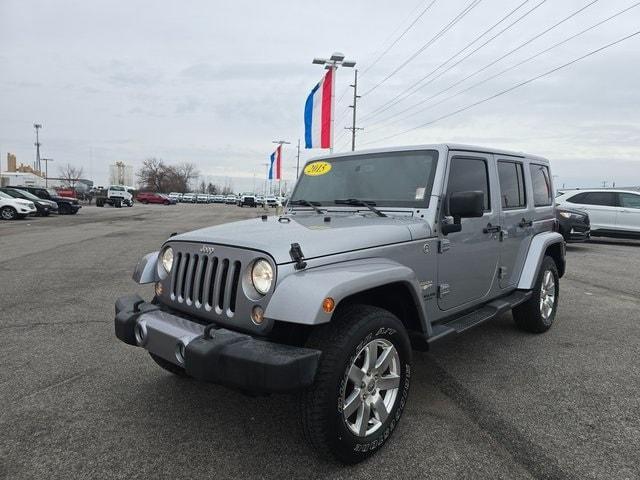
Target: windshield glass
25, 194
4, 195
116, 188
391, 179
52, 192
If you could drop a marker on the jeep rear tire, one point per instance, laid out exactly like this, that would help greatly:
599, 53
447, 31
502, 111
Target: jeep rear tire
536, 315
361, 385
168, 366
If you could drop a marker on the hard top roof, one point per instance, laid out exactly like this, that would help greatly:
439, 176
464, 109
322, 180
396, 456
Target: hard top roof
437, 146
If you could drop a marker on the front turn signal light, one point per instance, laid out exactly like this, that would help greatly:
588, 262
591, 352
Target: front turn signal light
328, 305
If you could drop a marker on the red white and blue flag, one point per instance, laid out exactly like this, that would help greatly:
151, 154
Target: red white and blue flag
318, 114
275, 168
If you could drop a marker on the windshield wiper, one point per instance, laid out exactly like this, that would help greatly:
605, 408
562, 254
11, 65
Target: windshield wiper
307, 203
356, 202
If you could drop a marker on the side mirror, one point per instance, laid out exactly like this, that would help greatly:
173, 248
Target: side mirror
463, 205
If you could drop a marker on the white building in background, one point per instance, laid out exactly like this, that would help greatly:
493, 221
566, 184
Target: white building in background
17, 179
120, 174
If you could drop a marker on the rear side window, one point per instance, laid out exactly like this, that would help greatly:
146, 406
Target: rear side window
512, 192
605, 199
541, 184
629, 200
467, 174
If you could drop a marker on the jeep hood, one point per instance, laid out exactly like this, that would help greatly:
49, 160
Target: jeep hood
316, 237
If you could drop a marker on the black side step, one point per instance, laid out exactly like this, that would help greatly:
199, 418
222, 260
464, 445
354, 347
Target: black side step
484, 313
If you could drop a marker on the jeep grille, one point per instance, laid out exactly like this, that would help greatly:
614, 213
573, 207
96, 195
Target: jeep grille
206, 282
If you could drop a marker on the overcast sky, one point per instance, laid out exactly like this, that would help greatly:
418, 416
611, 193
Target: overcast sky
214, 82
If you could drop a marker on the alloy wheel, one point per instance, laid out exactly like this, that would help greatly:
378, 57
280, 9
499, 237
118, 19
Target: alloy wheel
371, 390
547, 295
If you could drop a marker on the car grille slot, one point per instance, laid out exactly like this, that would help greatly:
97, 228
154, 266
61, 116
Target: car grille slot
206, 282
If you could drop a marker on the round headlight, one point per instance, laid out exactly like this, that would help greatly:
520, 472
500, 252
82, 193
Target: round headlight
262, 276
167, 259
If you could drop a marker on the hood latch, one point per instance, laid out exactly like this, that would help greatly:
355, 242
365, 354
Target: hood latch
297, 256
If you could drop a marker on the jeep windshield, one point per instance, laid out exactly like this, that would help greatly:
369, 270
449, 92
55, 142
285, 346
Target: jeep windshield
388, 179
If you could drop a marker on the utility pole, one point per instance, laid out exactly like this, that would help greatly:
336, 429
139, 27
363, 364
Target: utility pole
298, 161
332, 63
353, 127
280, 143
36, 166
46, 171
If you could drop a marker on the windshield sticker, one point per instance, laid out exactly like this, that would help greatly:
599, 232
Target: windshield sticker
420, 193
317, 168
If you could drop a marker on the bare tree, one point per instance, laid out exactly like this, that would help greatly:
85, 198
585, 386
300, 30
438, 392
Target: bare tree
69, 175
185, 173
157, 176
153, 174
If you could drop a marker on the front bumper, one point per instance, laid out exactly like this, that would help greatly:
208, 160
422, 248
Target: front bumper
573, 231
227, 357
27, 210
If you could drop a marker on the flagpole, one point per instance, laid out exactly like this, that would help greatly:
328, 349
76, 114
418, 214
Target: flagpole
280, 143
332, 63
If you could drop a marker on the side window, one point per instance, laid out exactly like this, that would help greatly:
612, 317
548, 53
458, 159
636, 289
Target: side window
629, 200
579, 198
541, 184
512, 192
466, 174
606, 199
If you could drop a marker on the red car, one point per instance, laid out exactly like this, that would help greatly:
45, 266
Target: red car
151, 197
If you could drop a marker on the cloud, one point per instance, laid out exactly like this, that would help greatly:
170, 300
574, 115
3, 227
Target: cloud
216, 82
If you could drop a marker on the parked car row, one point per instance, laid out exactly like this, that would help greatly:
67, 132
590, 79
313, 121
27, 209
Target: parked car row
20, 201
242, 200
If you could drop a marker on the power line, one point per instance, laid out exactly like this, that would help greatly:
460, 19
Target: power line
510, 89
344, 92
407, 92
502, 72
393, 44
502, 57
433, 39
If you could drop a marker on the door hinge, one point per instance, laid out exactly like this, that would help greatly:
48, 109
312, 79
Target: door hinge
502, 272
443, 289
443, 245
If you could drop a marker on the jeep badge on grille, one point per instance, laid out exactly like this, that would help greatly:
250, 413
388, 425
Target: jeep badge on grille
207, 249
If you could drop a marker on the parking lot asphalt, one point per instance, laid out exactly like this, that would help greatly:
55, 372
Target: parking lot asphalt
492, 403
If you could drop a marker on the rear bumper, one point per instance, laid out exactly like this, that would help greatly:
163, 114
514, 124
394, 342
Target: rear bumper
227, 357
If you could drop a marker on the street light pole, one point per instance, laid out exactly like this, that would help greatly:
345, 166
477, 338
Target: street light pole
266, 177
37, 166
46, 171
332, 63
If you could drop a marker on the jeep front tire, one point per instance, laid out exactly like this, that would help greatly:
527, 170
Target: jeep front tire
361, 385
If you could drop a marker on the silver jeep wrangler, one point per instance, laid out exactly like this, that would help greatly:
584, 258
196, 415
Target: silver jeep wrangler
377, 253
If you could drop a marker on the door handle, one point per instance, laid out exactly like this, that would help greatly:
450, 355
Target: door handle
525, 223
491, 228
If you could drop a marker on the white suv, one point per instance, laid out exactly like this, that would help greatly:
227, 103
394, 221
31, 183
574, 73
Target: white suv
12, 208
613, 213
